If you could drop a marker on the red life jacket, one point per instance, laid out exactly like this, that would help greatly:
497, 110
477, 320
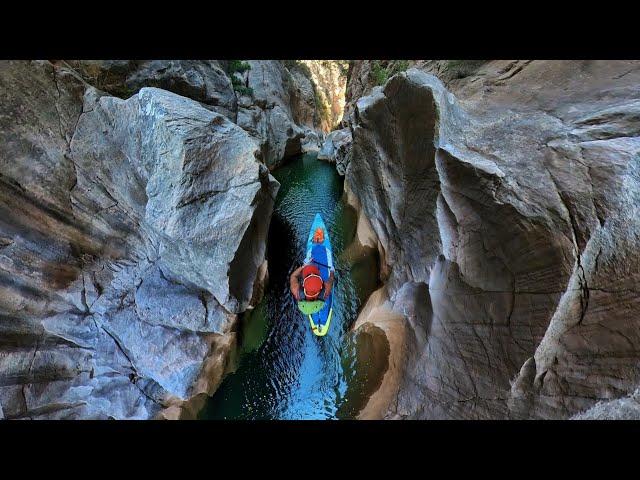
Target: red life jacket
311, 281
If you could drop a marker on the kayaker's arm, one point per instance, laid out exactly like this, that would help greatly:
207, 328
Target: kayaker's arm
294, 284
329, 284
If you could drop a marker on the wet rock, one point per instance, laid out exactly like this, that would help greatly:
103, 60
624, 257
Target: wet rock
133, 234
523, 223
379, 325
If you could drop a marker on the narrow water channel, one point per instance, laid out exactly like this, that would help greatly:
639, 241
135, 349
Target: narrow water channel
283, 370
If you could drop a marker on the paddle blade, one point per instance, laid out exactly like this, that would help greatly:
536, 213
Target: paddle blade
310, 307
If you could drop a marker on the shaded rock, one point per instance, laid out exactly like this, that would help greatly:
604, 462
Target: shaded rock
336, 149
133, 234
516, 217
202, 80
303, 98
267, 115
385, 329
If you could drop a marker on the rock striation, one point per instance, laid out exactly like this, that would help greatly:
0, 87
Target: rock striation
507, 225
202, 80
336, 149
286, 106
132, 234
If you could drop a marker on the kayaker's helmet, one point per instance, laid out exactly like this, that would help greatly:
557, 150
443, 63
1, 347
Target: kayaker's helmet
312, 282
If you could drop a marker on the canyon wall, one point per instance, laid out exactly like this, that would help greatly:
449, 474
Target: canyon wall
506, 217
285, 105
135, 200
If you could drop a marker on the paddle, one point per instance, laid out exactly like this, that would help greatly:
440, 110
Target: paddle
340, 270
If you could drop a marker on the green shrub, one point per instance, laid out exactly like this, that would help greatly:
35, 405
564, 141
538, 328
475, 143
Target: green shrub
399, 66
382, 70
379, 73
238, 66
240, 87
242, 90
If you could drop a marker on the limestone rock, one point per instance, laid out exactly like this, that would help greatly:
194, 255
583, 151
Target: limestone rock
312, 141
203, 80
336, 149
329, 78
516, 211
132, 234
626, 408
267, 115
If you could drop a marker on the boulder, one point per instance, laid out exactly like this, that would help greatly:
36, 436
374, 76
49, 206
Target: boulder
311, 142
132, 234
511, 231
202, 80
266, 114
336, 149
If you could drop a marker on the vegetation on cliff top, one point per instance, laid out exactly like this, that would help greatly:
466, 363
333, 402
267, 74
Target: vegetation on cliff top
382, 70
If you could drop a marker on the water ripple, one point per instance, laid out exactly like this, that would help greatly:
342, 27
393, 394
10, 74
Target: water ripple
293, 374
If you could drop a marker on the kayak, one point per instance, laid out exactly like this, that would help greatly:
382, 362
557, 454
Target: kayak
318, 312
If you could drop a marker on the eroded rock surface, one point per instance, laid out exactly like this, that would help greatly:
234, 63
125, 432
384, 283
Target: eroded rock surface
202, 80
508, 227
337, 149
267, 113
132, 233
284, 105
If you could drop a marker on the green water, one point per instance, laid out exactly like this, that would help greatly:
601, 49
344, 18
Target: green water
284, 371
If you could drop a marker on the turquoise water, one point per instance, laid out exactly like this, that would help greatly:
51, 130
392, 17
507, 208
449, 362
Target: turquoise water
283, 370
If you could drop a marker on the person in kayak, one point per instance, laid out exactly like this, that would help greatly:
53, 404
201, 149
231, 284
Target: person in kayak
312, 288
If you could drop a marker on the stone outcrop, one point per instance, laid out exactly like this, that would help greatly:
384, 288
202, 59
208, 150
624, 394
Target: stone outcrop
266, 113
329, 80
365, 75
507, 224
202, 80
336, 149
132, 234
284, 105
282, 110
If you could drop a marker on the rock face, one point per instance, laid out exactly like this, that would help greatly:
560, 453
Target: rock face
337, 148
329, 79
364, 75
284, 105
626, 408
203, 80
132, 233
509, 234
267, 115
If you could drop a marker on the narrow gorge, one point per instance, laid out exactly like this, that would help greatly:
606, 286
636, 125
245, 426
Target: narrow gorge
486, 216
